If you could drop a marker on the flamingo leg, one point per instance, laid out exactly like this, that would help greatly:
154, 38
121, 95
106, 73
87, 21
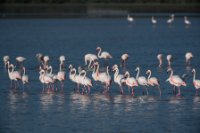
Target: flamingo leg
179, 92
197, 92
174, 90
146, 90
133, 94
122, 91
159, 90
88, 90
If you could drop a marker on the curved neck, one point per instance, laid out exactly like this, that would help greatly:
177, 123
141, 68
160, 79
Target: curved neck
60, 66
194, 75
149, 75
160, 62
169, 62
138, 72
116, 73
24, 71
128, 75
108, 70
171, 74
99, 53
97, 68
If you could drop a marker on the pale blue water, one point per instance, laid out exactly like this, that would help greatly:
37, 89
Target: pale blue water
34, 112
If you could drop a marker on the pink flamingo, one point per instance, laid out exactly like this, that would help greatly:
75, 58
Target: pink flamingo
153, 81
130, 82
176, 81
159, 57
188, 57
85, 81
196, 82
25, 78
61, 76
124, 58
90, 58
103, 54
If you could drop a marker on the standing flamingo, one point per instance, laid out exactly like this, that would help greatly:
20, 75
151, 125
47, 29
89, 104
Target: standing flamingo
169, 58
62, 60
118, 78
90, 58
129, 18
153, 81
141, 80
124, 58
159, 57
153, 20
25, 78
130, 82
103, 54
46, 59
176, 81
188, 57
61, 76
196, 82
85, 81
186, 21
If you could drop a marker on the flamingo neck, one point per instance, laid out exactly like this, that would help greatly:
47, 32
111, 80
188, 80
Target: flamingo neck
116, 73
169, 62
99, 53
128, 75
108, 71
138, 72
60, 66
194, 76
171, 74
160, 62
24, 71
149, 75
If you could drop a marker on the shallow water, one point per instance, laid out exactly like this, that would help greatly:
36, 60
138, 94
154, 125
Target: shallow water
66, 111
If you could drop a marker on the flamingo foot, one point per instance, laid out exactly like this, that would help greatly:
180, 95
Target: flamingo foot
178, 94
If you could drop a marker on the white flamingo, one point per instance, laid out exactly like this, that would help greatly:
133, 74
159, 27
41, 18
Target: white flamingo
130, 82
25, 78
124, 58
13, 75
159, 57
188, 57
186, 21
61, 76
85, 81
90, 58
62, 60
176, 81
47, 79
169, 59
103, 54
153, 20
171, 19
118, 78
76, 78
153, 81
196, 82
141, 80
103, 77
46, 59
129, 18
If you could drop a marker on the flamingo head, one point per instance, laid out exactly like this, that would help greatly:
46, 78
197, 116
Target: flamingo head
169, 69
137, 68
148, 71
46, 58
41, 71
193, 70
98, 48
70, 66
11, 66
62, 58
126, 74
114, 67
169, 57
159, 56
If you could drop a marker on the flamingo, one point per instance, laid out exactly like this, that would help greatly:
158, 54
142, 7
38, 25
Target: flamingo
13, 75
103, 54
75, 77
130, 82
5, 60
186, 21
20, 60
118, 78
46, 59
169, 58
103, 77
153, 81
25, 78
85, 81
124, 58
171, 19
159, 57
176, 81
141, 80
90, 58
196, 82
188, 57
61, 76
47, 79
153, 20
62, 60
129, 18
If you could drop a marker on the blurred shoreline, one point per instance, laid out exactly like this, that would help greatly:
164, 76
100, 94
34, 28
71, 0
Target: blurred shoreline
111, 10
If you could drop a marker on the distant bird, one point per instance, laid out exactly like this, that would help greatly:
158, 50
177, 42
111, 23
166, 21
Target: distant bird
186, 21
159, 57
105, 55
171, 19
153, 81
188, 57
118, 78
176, 81
141, 80
5, 60
153, 20
124, 58
196, 82
90, 58
129, 18
25, 78
169, 59
130, 82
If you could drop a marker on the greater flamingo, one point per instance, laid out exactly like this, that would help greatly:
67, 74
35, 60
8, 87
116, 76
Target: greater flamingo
103, 54
85, 81
153, 20
61, 76
129, 18
176, 81
124, 58
159, 57
188, 57
25, 78
186, 21
169, 59
118, 78
153, 81
130, 82
196, 82
90, 58
141, 80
